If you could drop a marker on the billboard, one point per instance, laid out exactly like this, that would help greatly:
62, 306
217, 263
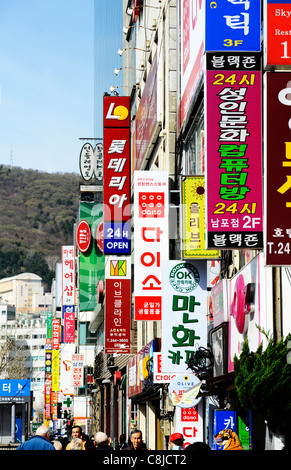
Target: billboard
151, 241
278, 163
193, 219
116, 196
147, 120
233, 111
277, 37
233, 25
68, 275
250, 307
117, 305
91, 261
16, 390
192, 53
184, 312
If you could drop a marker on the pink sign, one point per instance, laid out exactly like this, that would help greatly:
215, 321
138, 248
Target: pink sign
234, 151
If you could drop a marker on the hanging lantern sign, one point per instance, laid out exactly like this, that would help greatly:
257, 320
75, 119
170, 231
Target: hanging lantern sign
83, 236
87, 162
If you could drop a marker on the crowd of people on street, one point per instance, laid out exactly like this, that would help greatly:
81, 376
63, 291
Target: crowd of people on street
42, 440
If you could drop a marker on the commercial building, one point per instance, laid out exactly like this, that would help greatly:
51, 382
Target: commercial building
183, 270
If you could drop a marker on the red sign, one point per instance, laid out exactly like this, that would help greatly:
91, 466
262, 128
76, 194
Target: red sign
278, 37
69, 326
117, 305
116, 174
278, 169
56, 334
116, 111
83, 236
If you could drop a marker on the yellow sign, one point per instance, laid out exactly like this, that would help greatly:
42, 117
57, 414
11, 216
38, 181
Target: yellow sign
55, 370
193, 219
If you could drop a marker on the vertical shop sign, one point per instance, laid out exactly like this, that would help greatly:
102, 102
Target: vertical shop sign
184, 312
277, 36
233, 25
117, 305
116, 175
56, 334
192, 54
193, 219
234, 151
68, 275
91, 262
77, 370
55, 370
278, 169
151, 243
223, 420
47, 400
69, 323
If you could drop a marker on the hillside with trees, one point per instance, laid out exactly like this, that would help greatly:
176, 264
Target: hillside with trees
37, 215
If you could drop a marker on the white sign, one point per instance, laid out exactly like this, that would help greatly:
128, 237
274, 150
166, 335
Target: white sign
159, 376
184, 312
189, 422
68, 275
184, 390
151, 241
77, 370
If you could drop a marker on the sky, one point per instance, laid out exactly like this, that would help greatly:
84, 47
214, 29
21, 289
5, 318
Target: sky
47, 80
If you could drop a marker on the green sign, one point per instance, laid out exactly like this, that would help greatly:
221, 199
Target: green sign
92, 262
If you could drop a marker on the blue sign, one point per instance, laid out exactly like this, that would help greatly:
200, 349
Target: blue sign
223, 419
233, 25
117, 238
14, 390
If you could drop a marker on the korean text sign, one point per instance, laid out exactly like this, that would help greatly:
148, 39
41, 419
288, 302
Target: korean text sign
233, 25
151, 241
193, 219
278, 169
192, 15
117, 305
116, 148
277, 36
234, 151
68, 275
184, 312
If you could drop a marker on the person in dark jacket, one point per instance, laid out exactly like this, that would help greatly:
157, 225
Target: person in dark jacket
102, 441
40, 441
136, 442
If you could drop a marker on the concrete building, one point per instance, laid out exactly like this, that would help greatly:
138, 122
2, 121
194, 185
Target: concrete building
25, 292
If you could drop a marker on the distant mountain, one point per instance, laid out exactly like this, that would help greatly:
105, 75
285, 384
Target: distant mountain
37, 214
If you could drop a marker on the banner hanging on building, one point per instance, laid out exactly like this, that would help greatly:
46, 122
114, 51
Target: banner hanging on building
77, 370
68, 275
234, 151
278, 169
68, 324
277, 36
92, 261
193, 219
184, 312
151, 241
192, 32
117, 174
233, 25
117, 305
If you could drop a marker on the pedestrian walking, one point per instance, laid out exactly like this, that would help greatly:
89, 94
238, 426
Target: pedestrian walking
40, 441
176, 441
136, 442
77, 433
102, 441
